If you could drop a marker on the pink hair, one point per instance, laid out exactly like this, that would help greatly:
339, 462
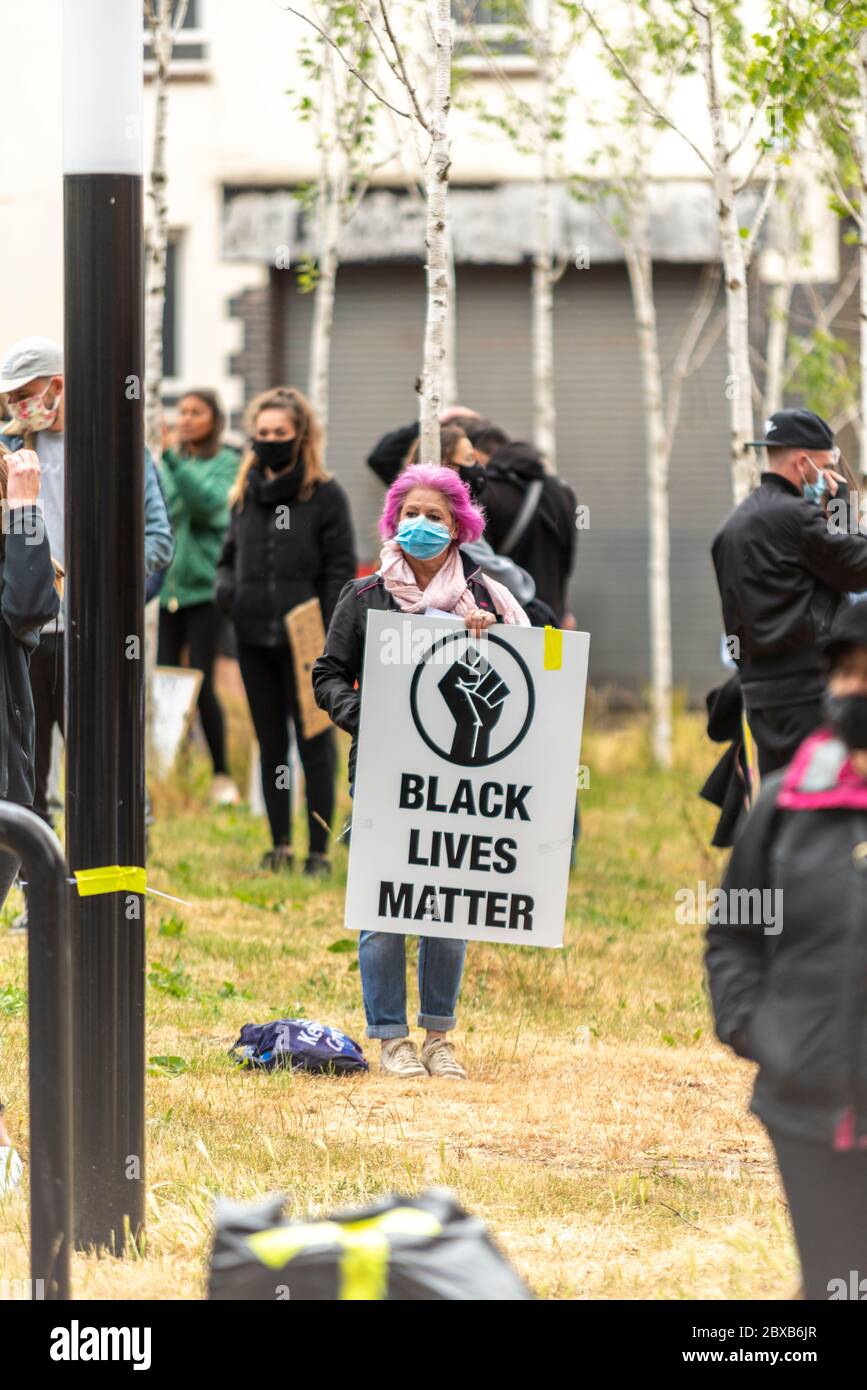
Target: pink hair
469, 517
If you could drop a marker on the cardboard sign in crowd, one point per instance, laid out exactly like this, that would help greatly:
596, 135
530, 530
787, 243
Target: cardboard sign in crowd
464, 797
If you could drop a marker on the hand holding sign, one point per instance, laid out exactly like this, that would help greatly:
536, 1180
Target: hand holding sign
474, 694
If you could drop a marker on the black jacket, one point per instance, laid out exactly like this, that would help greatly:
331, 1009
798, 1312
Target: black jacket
339, 668
547, 547
795, 1000
781, 574
728, 785
280, 552
28, 600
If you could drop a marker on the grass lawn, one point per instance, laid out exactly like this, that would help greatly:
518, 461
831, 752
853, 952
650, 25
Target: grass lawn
603, 1135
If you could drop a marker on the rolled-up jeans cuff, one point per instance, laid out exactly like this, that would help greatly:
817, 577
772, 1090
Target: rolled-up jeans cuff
437, 1025
387, 1030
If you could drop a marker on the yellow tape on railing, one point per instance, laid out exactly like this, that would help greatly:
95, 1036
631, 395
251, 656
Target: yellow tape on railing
112, 879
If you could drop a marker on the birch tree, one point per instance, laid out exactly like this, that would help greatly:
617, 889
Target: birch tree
734, 258
734, 151
804, 355
830, 100
429, 27
535, 124
436, 234
165, 18
335, 63
425, 47
620, 188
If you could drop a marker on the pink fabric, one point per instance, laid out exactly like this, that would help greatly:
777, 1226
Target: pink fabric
849, 792
447, 590
844, 1135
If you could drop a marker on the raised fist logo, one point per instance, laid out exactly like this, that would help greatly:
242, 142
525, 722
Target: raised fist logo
475, 695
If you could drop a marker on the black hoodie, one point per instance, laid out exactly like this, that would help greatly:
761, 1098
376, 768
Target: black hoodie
547, 547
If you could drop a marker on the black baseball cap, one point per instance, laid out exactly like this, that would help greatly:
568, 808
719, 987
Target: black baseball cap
795, 429
849, 629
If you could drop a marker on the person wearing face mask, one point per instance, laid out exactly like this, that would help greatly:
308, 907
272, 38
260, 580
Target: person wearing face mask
457, 452
391, 454
428, 518
289, 540
783, 571
787, 969
399, 450
198, 474
31, 374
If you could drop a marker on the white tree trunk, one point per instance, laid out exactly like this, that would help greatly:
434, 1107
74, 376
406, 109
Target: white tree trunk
779, 302
738, 387
657, 453
323, 306
542, 291
544, 417
450, 362
162, 37
436, 187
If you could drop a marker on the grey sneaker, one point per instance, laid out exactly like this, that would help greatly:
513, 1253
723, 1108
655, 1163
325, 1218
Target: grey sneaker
438, 1058
399, 1058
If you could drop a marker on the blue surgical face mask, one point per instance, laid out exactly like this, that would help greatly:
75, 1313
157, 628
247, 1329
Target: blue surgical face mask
422, 539
815, 492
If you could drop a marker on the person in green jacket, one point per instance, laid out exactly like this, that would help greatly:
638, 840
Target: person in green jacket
197, 474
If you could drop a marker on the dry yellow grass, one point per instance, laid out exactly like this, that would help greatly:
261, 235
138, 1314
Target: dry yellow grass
603, 1134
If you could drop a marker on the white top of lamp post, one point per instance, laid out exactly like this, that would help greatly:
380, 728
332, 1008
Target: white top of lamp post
103, 84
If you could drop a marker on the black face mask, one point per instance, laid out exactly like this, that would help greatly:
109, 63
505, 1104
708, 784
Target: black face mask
846, 715
275, 454
473, 474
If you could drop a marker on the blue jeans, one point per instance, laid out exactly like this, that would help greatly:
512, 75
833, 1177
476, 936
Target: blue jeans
382, 962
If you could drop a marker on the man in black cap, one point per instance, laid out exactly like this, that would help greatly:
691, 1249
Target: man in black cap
782, 572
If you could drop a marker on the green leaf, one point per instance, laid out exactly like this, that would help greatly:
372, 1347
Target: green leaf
172, 981
166, 1066
13, 999
171, 926
342, 947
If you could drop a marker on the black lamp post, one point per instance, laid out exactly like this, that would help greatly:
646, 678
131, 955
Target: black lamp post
105, 656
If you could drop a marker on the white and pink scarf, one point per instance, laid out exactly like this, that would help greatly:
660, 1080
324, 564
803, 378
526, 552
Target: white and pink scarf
448, 590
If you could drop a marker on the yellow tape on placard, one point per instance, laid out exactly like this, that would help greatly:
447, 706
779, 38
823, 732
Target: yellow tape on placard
552, 659
112, 879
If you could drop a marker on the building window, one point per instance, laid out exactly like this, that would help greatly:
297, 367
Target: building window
495, 25
190, 52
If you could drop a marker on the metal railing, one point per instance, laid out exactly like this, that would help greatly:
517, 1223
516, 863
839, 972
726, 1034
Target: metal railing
50, 1032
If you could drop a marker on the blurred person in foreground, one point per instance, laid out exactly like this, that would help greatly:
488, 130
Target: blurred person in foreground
787, 969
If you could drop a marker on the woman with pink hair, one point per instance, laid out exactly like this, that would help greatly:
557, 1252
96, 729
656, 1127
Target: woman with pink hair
428, 515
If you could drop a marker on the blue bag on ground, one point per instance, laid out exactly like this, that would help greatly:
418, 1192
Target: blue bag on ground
297, 1043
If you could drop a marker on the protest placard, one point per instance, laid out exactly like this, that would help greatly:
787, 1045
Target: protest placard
464, 793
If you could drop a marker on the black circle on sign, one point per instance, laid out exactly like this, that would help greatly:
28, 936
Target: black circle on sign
528, 718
